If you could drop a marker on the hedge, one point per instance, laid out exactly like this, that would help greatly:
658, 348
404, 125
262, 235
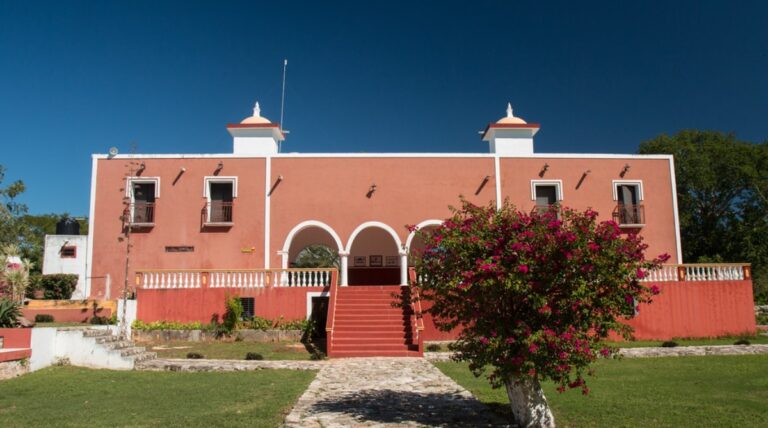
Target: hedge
59, 286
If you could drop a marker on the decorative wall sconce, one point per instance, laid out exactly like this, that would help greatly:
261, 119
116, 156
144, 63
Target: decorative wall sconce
543, 170
219, 167
141, 168
274, 186
370, 191
178, 176
485, 181
624, 171
583, 176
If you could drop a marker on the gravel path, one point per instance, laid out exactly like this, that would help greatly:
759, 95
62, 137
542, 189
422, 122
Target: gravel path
387, 392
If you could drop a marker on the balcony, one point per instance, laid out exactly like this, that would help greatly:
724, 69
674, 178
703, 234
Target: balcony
218, 213
629, 215
142, 214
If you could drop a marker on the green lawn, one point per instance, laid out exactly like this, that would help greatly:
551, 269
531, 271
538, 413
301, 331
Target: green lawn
74, 397
722, 391
231, 350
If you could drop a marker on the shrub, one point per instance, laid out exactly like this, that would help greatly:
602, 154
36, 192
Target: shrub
434, 347
34, 285
259, 323
669, 344
58, 286
233, 315
317, 355
195, 356
100, 320
533, 294
9, 313
300, 324
169, 325
253, 356
44, 318
742, 342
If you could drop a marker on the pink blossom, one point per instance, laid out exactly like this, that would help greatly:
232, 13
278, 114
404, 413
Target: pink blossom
510, 340
592, 246
484, 340
605, 352
640, 274
523, 268
655, 289
533, 348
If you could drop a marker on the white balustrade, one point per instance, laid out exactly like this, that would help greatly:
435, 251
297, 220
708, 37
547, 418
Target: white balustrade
696, 272
235, 278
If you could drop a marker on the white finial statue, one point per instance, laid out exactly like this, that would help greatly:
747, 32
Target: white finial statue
509, 110
257, 110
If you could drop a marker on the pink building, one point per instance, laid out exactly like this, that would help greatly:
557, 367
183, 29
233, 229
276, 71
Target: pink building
203, 225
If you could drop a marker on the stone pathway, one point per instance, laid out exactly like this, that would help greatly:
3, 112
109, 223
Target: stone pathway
387, 392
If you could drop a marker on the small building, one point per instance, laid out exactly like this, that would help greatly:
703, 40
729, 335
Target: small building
67, 252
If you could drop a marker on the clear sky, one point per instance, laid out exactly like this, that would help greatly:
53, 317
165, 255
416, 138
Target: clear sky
79, 77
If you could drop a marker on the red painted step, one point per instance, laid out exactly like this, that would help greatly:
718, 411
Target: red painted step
367, 324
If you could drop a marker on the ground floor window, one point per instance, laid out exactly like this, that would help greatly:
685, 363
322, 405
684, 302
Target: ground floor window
248, 307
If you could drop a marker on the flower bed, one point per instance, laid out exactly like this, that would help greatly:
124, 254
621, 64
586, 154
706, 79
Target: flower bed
200, 335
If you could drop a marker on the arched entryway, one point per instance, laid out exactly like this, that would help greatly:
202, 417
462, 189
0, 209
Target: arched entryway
375, 256
311, 240
415, 243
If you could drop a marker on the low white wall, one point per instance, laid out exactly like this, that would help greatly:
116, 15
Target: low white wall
130, 315
49, 345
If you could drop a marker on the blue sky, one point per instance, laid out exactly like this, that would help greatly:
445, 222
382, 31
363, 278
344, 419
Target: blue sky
79, 77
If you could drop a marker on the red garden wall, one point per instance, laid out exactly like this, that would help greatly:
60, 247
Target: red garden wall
697, 309
199, 304
18, 339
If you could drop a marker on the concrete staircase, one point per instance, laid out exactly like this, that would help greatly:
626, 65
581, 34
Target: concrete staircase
100, 348
368, 325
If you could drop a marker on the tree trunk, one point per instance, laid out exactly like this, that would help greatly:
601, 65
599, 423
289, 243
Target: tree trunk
529, 406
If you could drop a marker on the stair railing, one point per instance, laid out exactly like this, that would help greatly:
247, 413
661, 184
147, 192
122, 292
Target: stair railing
417, 316
331, 318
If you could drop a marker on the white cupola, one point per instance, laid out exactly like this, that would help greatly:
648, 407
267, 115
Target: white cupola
256, 135
511, 135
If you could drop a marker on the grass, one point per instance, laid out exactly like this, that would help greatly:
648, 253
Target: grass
712, 391
231, 350
70, 397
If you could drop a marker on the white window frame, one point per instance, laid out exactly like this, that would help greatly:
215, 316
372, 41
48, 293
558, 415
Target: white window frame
130, 181
207, 181
558, 188
636, 183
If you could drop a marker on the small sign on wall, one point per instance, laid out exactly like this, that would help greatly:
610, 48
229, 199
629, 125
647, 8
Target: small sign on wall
180, 249
375, 261
359, 261
392, 261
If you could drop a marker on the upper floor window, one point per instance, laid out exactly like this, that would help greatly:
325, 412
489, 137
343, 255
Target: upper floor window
629, 211
546, 193
220, 193
143, 192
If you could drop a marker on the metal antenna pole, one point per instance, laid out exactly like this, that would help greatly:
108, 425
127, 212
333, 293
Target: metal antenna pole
282, 102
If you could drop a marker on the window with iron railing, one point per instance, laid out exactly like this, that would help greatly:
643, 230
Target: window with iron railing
142, 208
629, 211
220, 206
546, 197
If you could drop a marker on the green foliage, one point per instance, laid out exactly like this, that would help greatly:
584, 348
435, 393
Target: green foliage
282, 324
254, 356
100, 320
58, 286
9, 313
722, 192
232, 315
169, 325
669, 344
259, 323
44, 318
742, 342
195, 356
434, 347
12, 229
533, 294
317, 256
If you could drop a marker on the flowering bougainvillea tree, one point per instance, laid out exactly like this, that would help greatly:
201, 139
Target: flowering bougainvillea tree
533, 294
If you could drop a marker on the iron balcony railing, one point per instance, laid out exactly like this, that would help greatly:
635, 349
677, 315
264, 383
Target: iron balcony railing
629, 215
142, 213
219, 212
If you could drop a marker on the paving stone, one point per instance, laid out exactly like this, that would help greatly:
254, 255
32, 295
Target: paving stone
387, 392
188, 365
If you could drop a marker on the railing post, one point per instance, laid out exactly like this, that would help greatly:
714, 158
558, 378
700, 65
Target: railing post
681, 273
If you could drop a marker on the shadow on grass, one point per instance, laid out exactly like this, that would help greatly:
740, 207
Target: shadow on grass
404, 407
